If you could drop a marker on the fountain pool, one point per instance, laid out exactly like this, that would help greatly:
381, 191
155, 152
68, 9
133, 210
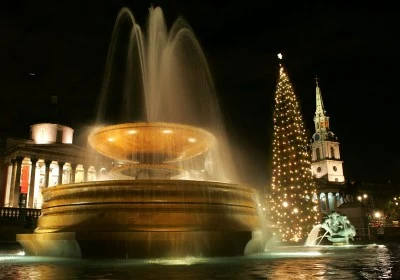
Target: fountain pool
333, 262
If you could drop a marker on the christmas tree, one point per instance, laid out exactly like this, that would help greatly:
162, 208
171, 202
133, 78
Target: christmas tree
292, 200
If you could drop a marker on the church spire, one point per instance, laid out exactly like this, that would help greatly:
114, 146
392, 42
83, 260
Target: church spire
325, 152
321, 121
320, 111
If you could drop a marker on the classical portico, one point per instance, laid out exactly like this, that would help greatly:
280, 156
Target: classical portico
47, 160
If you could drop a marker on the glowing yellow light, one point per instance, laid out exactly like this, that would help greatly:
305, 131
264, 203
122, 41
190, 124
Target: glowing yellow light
280, 56
132, 131
167, 131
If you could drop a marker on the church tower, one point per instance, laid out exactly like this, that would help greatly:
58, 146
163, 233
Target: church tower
326, 165
325, 158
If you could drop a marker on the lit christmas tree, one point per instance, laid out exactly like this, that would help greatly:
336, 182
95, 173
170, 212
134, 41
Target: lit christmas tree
292, 200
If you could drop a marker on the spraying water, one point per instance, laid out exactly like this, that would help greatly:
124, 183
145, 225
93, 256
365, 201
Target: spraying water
162, 75
171, 188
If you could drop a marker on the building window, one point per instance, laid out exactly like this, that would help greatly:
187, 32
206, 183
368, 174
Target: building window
319, 169
333, 153
59, 136
334, 168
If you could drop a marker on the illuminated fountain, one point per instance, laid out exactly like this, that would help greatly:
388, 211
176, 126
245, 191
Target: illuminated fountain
338, 230
170, 190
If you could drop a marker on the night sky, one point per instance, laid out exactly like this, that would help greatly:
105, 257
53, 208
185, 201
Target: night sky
353, 51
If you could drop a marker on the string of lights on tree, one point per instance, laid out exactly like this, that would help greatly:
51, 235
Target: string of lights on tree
292, 200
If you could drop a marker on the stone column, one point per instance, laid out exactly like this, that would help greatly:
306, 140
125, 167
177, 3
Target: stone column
96, 173
47, 174
327, 203
85, 173
17, 182
12, 183
321, 209
334, 202
73, 172
3, 181
32, 182
60, 172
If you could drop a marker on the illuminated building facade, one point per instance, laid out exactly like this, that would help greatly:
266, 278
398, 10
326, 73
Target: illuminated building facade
48, 159
326, 165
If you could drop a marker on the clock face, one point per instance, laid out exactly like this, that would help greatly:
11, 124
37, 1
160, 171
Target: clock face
316, 137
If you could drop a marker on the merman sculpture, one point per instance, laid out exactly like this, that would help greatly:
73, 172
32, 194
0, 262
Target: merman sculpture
338, 228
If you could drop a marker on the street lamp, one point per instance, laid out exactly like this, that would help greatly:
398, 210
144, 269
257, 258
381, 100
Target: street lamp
378, 216
380, 230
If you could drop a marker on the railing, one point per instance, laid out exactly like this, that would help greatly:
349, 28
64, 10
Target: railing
18, 218
16, 213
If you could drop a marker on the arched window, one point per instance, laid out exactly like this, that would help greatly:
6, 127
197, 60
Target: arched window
317, 154
333, 152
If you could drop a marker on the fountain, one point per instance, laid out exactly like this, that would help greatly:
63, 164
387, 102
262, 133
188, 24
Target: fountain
338, 230
170, 191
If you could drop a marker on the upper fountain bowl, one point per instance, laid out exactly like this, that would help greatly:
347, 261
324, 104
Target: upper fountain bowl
147, 142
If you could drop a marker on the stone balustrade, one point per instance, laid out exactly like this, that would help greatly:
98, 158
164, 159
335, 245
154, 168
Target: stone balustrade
17, 213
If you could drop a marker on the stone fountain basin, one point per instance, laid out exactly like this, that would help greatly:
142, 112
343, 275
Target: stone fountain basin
144, 218
144, 142
338, 239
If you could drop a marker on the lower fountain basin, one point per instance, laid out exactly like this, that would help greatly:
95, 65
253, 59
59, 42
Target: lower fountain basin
338, 240
144, 218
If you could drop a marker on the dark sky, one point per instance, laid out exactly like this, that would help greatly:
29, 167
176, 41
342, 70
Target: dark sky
353, 50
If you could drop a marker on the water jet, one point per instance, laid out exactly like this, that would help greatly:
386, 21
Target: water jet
171, 188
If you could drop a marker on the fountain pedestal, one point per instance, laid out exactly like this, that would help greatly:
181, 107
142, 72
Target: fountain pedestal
144, 218
135, 244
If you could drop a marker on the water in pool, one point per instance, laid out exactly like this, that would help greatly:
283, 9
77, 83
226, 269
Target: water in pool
323, 262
